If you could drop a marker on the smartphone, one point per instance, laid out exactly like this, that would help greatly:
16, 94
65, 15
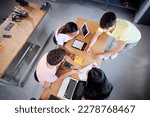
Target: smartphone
9, 26
68, 65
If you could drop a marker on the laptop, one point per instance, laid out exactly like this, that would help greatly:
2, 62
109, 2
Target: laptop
84, 30
71, 89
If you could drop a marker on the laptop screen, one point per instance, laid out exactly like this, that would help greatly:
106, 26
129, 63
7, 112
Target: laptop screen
71, 89
84, 30
78, 93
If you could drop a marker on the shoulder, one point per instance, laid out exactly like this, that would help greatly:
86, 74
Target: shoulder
123, 23
128, 26
44, 56
100, 30
61, 35
43, 60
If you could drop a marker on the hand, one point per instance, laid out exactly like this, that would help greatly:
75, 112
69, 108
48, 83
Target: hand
72, 56
46, 86
88, 51
100, 56
75, 71
95, 64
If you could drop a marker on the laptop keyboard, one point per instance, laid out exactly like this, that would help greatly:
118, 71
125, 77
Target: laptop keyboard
70, 88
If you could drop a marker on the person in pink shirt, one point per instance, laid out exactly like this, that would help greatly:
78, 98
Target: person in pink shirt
48, 65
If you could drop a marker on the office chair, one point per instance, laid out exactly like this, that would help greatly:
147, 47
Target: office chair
54, 40
35, 77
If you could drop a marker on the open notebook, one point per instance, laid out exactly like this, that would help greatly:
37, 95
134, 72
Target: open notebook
84, 71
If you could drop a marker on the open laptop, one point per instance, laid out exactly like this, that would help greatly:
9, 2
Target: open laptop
84, 30
71, 89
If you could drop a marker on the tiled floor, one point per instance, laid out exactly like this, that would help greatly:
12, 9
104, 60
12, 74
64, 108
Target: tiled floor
129, 72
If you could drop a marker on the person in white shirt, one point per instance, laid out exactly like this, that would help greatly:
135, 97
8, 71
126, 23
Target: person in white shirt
48, 65
65, 33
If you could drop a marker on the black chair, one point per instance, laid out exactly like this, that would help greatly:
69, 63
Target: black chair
54, 40
33, 98
35, 76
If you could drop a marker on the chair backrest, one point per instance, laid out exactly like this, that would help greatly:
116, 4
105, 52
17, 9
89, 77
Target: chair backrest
35, 76
54, 40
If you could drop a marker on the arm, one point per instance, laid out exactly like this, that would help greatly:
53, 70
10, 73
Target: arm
118, 48
63, 76
94, 39
77, 33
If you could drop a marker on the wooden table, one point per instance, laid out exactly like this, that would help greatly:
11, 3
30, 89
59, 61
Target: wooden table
20, 32
88, 58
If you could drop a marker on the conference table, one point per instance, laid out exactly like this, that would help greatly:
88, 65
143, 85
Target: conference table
98, 47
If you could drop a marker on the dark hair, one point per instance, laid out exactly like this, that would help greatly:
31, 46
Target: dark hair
55, 56
69, 27
98, 87
107, 20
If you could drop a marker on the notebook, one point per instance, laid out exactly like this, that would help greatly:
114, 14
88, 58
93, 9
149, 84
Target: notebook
78, 60
84, 71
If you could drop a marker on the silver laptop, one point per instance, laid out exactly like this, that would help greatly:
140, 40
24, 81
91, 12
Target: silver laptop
71, 89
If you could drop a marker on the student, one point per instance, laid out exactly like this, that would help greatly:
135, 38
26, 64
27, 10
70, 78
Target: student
98, 87
48, 66
65, 33
125, 34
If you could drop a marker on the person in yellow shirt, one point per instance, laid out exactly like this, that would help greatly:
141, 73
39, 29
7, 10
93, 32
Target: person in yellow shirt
125, 35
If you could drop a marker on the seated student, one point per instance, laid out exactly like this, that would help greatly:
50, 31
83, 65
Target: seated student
48, 66
98, 87
65, 33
